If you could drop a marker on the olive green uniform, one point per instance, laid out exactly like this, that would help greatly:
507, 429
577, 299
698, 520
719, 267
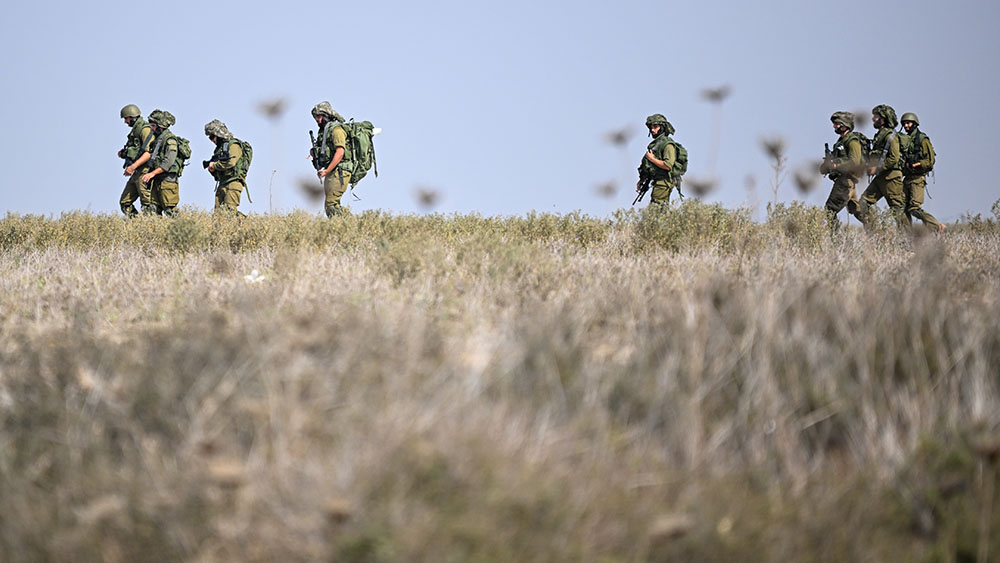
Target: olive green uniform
231, 180
663, 182
164, 189
332, 137
888, 180
843, 169
917, 147
138, 142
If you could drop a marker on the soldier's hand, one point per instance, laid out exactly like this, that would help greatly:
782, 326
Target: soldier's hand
638, 186
321, 173
650, 156
120, 155
916, 165
871, 170
130, 170
147, 177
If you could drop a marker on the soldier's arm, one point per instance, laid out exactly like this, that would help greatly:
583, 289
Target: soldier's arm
926, 151
339, 138
137, 164
854, 152
235, 152
669, 156
170, 156
893, 156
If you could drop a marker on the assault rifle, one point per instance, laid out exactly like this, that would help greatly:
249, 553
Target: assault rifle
314, 151
205, 163
643, 187
827, 159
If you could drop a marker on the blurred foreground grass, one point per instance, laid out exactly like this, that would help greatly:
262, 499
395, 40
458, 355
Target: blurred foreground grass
688, 385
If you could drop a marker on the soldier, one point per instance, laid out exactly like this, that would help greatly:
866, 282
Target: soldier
164, 188
228, 166
886, 165
138, 141
661, 162
843, 165
331, 156
918, 160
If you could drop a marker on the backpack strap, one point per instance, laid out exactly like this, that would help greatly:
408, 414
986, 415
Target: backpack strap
885, 150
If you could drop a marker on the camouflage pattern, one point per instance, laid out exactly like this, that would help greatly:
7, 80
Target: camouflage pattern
218, 129
324, 108
162, 118
660, 119
131, 110
887, 113
845, 118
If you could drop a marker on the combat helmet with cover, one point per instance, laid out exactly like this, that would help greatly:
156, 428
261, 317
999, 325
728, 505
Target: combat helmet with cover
660, 119
844, 118
887, 113
840, 148
162, 118
131, 110
218, 129
324, 108
910, 116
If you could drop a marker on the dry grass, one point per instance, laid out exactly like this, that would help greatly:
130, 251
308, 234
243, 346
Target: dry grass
686, 385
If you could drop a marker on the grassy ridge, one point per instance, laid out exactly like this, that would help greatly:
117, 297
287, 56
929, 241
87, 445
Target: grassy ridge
687, 385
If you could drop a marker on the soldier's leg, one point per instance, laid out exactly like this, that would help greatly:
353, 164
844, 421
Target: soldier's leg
169, 196
335, 184
895, 197
155, 207
874, 192
835, 202
227, 198
853, 205
129, 195
660, 192
916, 188
145, 192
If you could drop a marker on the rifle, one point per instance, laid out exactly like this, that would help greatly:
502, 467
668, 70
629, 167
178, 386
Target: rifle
827, 160
314, 151
642, 188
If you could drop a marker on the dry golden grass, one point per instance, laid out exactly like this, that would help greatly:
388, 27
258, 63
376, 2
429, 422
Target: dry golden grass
685, 385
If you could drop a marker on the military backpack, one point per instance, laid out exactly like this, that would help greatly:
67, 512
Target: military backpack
359, 139
911, 147
183, 153
243, 164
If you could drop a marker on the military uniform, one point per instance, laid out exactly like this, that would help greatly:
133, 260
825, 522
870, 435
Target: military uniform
846, 161
331, 137
917, 147
140, 137
663, 147
227, 167
888, 164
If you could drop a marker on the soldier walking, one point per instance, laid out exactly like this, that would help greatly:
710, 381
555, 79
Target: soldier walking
885, 166
918, 159
228, 165
139, 138
843, 165
331, 156
163, 178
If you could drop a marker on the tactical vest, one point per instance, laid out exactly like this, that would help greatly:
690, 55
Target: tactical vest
841, 155
133, 144
235, 174
326, 148
659, 148
911, 149
880, 149
159, 153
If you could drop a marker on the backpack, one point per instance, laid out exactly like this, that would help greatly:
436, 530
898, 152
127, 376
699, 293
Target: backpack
243, 164
183, 153
359, 139
680, 163
866, 144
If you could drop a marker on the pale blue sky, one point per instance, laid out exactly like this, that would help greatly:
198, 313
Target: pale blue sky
501, 107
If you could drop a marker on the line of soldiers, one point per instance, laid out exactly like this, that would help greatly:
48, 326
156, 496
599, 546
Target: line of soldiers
897, 165
155, 158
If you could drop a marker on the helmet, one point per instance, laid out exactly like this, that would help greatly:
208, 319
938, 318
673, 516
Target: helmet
887, 113
131, 110
324, 108
219, 129
162, 118
660, 119
844, 118
910, 116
